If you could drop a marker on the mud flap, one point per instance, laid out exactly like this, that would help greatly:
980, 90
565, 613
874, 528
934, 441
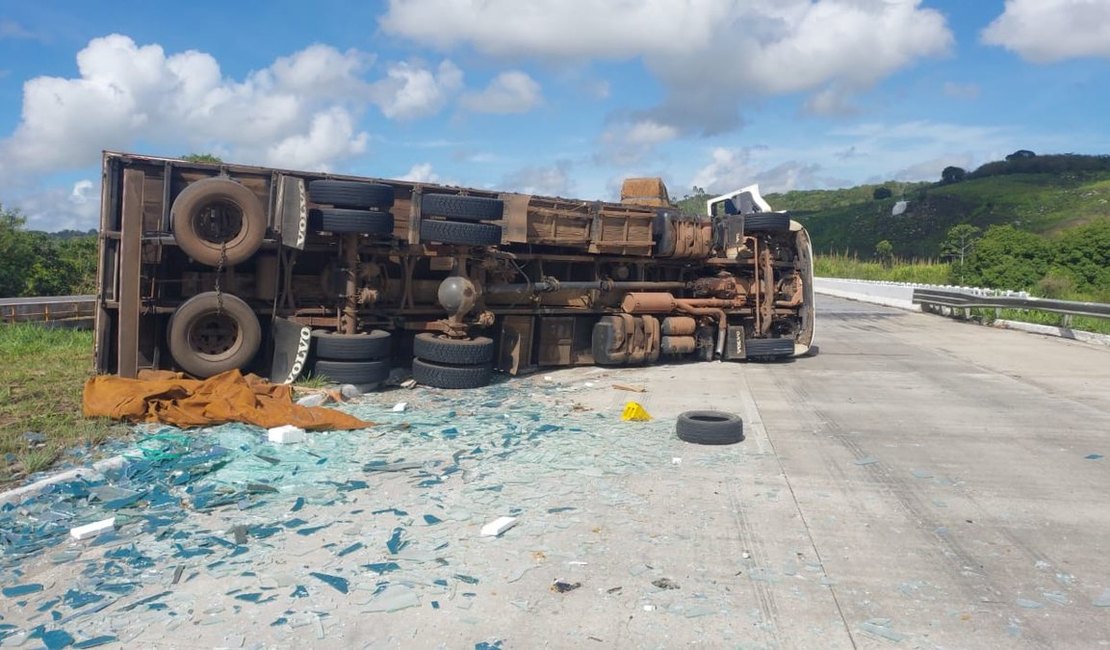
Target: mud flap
734, 344
291, 345
292, 212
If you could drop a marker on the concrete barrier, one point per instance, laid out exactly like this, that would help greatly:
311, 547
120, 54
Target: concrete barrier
890, 294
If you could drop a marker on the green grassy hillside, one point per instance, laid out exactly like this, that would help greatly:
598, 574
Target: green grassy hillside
851, 221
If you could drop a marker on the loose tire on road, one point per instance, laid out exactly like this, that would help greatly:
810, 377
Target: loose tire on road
772, 222
359, 373
342, 220
438, 375
218, 218
458, 232
352, 347
351, 194
437, 348
710, 427
209, 334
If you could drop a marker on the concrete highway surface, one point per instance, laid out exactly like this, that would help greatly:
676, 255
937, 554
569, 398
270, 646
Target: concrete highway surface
920, 483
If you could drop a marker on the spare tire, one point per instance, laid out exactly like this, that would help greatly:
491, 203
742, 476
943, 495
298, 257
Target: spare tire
342, 220
218, 218
359, 373
351, 194
767, 222
210, 334
352, 347
437, 348
458, 232
438, 375
710, 427
768, 348
462, 208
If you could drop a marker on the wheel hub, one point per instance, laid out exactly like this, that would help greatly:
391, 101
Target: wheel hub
215, 335
219, 222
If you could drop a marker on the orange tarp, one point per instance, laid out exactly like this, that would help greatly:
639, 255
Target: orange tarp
167, 397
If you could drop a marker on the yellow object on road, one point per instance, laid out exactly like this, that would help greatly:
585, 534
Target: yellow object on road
633, 412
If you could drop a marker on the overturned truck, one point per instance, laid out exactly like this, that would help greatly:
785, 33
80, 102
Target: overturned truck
205, 268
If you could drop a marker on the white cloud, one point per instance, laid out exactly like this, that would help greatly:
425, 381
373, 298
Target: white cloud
1045, 31
330, 137
10, 29
929, 170
300, 111
59, 208
548, 181
731, 169
708, 54
627, 143
961, 91
830, 102
411, 90
421, 173
510, 92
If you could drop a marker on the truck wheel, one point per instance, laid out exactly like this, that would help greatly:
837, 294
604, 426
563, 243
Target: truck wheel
768, 348
350, 347
210, 334
218, 218
444, 376
351, 194
457, 232
342, 220
710, 427
437, 348
772, 222
462, 208
358, 373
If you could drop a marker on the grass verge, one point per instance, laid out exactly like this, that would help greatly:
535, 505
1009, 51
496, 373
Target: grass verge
926, 272
850, 266
42, 374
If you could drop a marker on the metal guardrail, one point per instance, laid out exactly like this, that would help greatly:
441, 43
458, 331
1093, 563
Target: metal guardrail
71, 310
968, 301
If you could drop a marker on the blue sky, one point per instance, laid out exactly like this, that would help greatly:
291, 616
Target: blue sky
563, 97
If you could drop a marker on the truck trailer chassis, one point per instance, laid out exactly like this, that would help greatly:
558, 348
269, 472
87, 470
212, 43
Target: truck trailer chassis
205, 268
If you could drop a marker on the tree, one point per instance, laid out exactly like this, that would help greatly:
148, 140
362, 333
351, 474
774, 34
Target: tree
202, 158
953, 174
957, 246
16, 253
1008, 258
884, 251
694, 201
1021, 154
1083, 253
881, 193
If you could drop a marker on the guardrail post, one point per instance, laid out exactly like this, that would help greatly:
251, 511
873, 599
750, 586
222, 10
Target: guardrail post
1066, 321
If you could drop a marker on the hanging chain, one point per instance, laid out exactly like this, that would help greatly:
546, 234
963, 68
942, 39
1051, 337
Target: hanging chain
219, 273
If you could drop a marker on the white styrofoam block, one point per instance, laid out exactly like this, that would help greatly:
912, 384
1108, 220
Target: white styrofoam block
286, 434
498, 526
399, 407
93, 529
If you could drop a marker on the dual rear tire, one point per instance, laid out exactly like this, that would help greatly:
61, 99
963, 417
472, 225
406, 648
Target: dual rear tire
442, 362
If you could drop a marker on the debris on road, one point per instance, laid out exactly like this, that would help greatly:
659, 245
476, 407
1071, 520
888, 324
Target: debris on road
634, 412
498, 526
631, 389
286, 435
665, 583
219, 519
563, 587
92, 530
